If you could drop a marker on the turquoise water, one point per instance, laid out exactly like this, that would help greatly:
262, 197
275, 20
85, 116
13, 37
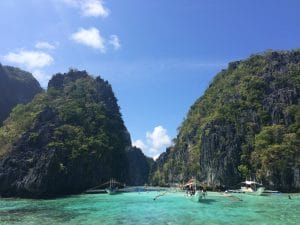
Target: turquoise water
140, 208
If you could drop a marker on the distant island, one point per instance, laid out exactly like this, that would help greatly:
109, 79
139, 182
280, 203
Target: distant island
72, 137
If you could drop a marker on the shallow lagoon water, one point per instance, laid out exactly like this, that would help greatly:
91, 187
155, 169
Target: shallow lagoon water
140, 208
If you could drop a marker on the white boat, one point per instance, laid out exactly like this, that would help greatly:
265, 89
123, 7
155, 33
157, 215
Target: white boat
192, 190
113, 187
111, 191
252, 187
110, 187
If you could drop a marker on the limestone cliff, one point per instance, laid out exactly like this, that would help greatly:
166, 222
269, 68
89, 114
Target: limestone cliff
247, 124
68, 139
139, 167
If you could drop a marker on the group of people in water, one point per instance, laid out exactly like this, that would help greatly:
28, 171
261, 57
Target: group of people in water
191, 190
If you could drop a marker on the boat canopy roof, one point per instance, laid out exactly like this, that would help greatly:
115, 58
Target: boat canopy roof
193, 181
248, 182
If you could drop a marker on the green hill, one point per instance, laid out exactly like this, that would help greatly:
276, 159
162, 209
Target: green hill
246, 125
68, 139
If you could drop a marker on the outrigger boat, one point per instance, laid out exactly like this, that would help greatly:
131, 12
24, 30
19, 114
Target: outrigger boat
113, 187
250, 187
193, 192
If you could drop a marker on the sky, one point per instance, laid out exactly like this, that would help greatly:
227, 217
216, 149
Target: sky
159, 56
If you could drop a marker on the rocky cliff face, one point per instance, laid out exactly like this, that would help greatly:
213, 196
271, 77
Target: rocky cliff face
139, 167
246, 125
16, 87
66, 140
220, 167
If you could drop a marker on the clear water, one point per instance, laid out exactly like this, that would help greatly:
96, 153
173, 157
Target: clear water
140, 208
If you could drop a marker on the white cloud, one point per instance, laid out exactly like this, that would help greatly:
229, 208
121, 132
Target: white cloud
140, 144
33, 61
44, 45
94, 8
89, 37
29, 59
156, 156
158, 137
157, 142
89, 8
114, 41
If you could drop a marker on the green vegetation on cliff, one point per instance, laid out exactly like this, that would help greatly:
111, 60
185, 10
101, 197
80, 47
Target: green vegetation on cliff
87, 116
16, 87
245, 125
67, 139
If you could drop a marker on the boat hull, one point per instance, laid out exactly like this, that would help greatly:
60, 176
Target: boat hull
197, 197
111, 191
259, 191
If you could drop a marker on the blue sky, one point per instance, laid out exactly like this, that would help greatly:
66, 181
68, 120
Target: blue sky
159, 56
